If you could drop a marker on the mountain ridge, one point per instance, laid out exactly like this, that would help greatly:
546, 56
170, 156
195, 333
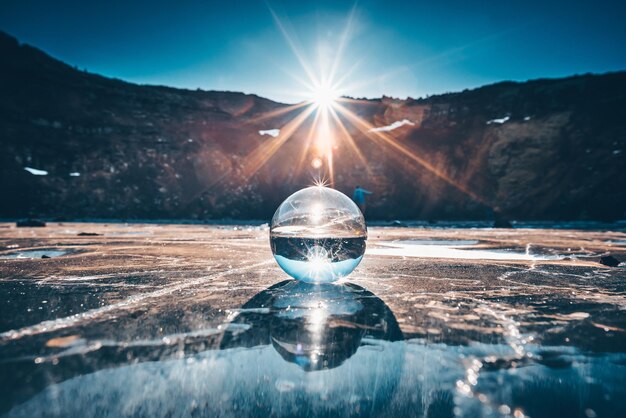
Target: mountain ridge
147, 151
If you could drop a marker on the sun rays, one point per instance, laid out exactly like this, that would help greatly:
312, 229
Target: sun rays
325, 121
324, 95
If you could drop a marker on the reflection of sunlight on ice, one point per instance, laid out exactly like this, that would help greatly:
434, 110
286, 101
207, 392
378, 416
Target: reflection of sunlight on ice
318, 314
449, 250
317, 319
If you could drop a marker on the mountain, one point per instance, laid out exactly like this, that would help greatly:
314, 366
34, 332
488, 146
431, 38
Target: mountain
542, 149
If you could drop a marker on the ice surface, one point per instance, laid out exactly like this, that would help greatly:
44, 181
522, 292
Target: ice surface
461, 249
198, 320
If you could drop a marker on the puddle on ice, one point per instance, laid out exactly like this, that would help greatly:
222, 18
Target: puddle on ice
616, 242
449, 243
30, 254
452, 249
133, 233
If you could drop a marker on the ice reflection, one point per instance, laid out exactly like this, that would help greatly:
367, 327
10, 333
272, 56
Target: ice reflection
299, 349
459, 249
316, 326
294, 349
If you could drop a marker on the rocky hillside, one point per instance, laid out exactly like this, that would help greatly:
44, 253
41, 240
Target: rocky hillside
75, 144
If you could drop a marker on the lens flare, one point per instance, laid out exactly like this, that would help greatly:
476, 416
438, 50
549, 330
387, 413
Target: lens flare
326, 103
316, 162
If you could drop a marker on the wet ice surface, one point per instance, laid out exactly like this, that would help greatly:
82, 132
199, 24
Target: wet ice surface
191, 320
33, 254
456, 249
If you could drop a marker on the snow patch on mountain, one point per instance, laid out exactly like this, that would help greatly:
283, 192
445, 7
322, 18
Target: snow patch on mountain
393, 126
270, 132
36, 172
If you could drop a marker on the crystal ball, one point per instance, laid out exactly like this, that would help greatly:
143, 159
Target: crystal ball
318, 235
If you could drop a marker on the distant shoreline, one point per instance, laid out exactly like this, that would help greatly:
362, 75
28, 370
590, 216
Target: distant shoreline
619, 225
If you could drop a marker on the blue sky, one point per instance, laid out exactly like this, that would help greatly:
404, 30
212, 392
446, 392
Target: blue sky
394, 48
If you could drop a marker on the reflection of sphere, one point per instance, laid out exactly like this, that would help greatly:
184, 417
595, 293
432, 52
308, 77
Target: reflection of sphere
316, 326
309, 327
353, 336
345, 341
318, 235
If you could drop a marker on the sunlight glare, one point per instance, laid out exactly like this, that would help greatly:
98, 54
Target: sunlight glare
324, 95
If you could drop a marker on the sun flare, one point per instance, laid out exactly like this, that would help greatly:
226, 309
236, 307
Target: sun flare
324, 95
325, 100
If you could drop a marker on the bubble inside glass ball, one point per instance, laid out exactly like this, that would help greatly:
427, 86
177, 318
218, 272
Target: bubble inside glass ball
318, 235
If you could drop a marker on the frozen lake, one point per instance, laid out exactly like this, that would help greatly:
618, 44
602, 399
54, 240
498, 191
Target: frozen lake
197, 320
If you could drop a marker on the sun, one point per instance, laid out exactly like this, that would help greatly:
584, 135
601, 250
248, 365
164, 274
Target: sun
324, 95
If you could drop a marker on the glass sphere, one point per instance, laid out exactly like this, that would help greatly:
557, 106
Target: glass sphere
318, 235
